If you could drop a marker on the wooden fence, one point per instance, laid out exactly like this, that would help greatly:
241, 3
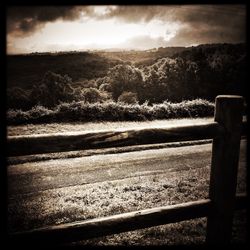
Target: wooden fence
225, 130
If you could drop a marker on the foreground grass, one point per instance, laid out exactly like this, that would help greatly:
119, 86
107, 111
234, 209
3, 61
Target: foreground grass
83, 202
111, 111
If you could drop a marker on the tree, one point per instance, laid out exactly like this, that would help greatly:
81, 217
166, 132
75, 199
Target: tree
92, 95
128, 97
124, 78
18, 98
52, 90
170, 79
105, 87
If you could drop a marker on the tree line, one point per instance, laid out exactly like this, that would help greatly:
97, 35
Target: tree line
199, 72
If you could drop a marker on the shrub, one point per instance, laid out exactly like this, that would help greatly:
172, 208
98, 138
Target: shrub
128, 97
37, 114
92, 95
105, 87
111, 111
18, 98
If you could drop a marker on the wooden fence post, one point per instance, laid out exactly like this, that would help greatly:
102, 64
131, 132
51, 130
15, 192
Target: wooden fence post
224, 166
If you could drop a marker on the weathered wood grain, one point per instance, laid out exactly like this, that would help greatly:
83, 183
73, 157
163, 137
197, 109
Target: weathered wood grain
224, 167
104, 226
113, 224
38, 144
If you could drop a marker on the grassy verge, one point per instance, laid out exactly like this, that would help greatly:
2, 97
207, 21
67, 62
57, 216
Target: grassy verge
82, 202
110, 111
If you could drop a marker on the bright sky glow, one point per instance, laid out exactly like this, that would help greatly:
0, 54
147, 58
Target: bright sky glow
138, 27
92, 34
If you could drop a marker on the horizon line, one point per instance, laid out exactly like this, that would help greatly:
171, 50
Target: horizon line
110, 50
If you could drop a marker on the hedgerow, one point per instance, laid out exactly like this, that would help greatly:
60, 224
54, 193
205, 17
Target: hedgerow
111, 111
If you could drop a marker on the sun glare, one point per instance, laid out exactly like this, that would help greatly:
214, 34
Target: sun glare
93, 34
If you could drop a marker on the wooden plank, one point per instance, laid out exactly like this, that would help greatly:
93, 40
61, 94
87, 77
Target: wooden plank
244, 128
223, 177
241, 202
118, 223
113, 224
38, 144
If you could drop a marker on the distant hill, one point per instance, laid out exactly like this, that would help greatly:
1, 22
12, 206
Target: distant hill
26, 70
142, 58
203, 51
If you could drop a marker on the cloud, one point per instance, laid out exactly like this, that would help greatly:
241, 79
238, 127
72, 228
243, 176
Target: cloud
201, 23
138, 13
25, 20
212, 14
192, 35
143, 42
198, 23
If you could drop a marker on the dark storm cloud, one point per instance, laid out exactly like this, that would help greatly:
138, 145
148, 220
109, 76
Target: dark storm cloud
138, 13
221, 23
192, 35
183, 13
216, 23
25, 20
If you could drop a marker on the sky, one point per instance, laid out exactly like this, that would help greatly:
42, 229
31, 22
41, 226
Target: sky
140, 27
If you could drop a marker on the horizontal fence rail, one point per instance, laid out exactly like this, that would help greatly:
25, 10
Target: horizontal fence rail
114, 224
51, 143
38, 144
117, 223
